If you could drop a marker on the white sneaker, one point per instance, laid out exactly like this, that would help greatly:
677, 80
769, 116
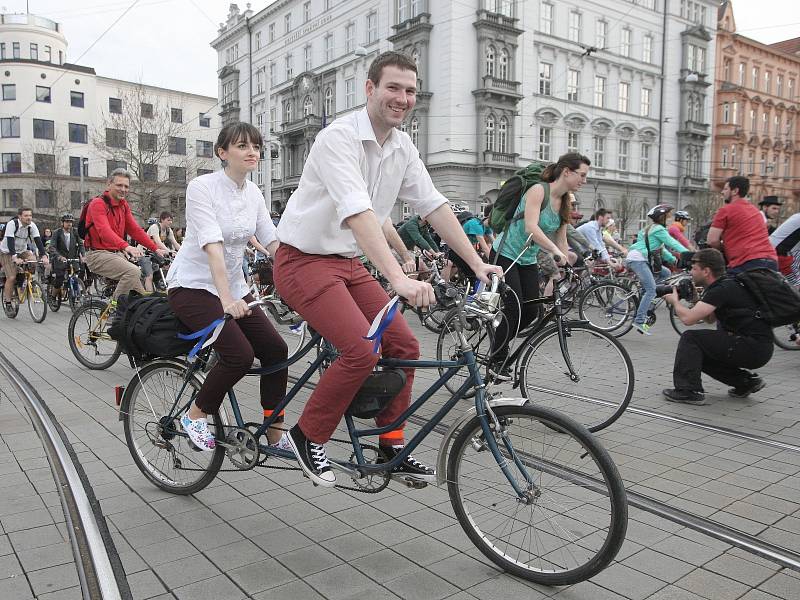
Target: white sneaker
197, 430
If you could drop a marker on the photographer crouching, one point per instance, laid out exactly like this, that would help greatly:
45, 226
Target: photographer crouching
740, 341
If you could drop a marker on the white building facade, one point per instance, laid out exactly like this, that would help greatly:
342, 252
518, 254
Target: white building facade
501, 83
59, 119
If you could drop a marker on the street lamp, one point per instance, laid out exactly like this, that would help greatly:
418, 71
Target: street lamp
84, 164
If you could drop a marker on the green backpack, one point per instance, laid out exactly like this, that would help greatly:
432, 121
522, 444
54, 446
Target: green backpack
502, 215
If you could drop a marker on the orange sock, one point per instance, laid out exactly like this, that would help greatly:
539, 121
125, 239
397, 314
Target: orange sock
391, 438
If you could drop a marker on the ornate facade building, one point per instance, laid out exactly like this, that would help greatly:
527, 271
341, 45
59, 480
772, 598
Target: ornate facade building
501, 83
756, 113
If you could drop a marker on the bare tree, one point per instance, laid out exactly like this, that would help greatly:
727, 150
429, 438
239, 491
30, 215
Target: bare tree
148, 138
625, 210
47, 160
703, 206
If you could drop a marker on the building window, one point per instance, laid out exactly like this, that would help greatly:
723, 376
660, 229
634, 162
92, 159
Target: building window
12, 162
148, 142
42, 94
754, 75
273, 77
545, 78
204, 148
2, 50
48, 54
753, 118
644, 108
599, 90
307, 57
765, 122
490, 60
402, 10
44, 163
9, 91
644, 159
149, 172
779, 85
228, 91
78, 133
741, 73
573, 85
545, 139
574, 26
232, 54
271, 32
76, 99
115, 106
176, 145
15, 50
502, 71
273, 119
601, 34
308, 106
116, 138
733, 155
724, 157
260, 81
177, 174
329, 47
146, 110
777, 120
12, 198
502, 135
726, 113
735, 114
414, 131
726, 69
790, 94
34, 51
75, 200
767, 81
9, 127
350, 92
625, 46
696, 58
490, 140
176, 115
306, 11
75, 166
624, 93
111, 165
289, 111
599, 151
573, 141
372, 27
43, 129
45, 198
289, 67
414, 8
287, 22
546, 18
328, 106
622, 157
349, 37
258, 40
647, 49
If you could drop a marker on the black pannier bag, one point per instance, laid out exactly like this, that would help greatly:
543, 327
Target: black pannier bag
146, 328
377, 391
778, 301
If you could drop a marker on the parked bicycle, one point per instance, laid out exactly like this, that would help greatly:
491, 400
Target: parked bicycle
522, 478
72, 290
27, 290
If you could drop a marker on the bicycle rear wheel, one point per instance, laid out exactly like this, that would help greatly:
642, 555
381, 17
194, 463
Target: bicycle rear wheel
573, 519
603, 384
88, 340
782, 335
608, 306
448, 346
37, 303
678, 325
53, 300
157, 443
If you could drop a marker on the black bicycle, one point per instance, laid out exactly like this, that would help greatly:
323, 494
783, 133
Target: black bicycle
73, 290
531, 487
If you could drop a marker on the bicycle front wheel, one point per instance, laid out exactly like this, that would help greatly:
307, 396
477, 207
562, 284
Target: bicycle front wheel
53, 300
602, 385
75, 293
37, 303
572, 518
608, 306
158, 444
88, 337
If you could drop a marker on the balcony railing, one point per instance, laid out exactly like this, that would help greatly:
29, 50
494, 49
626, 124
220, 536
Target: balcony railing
491, 156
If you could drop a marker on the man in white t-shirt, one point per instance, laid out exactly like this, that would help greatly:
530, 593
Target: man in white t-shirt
163, 237
358, 167
20, 232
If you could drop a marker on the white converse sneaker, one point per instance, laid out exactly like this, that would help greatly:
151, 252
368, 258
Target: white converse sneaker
197, 430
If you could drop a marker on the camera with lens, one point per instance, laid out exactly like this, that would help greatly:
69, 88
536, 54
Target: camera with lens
685, 289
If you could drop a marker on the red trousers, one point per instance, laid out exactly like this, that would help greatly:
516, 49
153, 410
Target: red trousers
339, 298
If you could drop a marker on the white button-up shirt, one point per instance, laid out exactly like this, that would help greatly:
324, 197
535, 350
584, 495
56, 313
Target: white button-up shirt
591, 231
347, 172
218, 210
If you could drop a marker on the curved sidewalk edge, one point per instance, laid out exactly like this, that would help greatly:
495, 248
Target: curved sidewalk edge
98, 564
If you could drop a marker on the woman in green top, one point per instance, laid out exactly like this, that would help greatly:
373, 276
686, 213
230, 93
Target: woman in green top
546, 209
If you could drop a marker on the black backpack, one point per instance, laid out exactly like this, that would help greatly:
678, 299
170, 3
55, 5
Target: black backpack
511, 193
778, 300
146, 328
83, 227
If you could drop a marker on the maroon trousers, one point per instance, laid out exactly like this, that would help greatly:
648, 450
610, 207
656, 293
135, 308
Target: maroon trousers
238, 343
339, 298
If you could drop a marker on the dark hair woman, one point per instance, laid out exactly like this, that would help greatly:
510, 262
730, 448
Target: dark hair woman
223, 211
546, 208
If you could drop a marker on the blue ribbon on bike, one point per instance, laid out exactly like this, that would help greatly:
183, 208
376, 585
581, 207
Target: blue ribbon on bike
201, 336
381, 321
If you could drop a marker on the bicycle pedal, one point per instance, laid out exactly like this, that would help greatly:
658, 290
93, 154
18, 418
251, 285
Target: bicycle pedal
416, 482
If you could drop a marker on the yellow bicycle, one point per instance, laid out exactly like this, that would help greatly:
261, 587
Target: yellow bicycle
88, 334
29, 291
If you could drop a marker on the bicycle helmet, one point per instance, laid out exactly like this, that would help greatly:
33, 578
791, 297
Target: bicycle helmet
658, 211
152, 221
682, 214
67, 217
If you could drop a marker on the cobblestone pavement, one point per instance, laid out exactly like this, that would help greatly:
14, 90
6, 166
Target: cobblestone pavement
270, 534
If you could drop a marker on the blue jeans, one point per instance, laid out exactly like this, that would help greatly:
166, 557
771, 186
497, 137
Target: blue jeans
642, 270
756, 263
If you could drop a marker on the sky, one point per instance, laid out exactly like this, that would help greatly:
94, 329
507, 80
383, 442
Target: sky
166, 42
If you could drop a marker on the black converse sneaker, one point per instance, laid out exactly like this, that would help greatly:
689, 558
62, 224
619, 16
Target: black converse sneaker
754, 384
409, 466
312, 458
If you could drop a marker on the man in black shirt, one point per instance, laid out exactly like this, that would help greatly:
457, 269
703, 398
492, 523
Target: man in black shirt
65, 245
740, 342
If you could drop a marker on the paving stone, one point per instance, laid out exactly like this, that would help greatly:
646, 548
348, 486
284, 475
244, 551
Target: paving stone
659, 565
384, 565
353, 545
627, 581
73, 593
296, 590
783, 585
46, 556
308, 560
421, 585
10, 566
741, 570
185, 571
260, 576
210, 589
145, 585
711, 586
16, 587
53, 579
